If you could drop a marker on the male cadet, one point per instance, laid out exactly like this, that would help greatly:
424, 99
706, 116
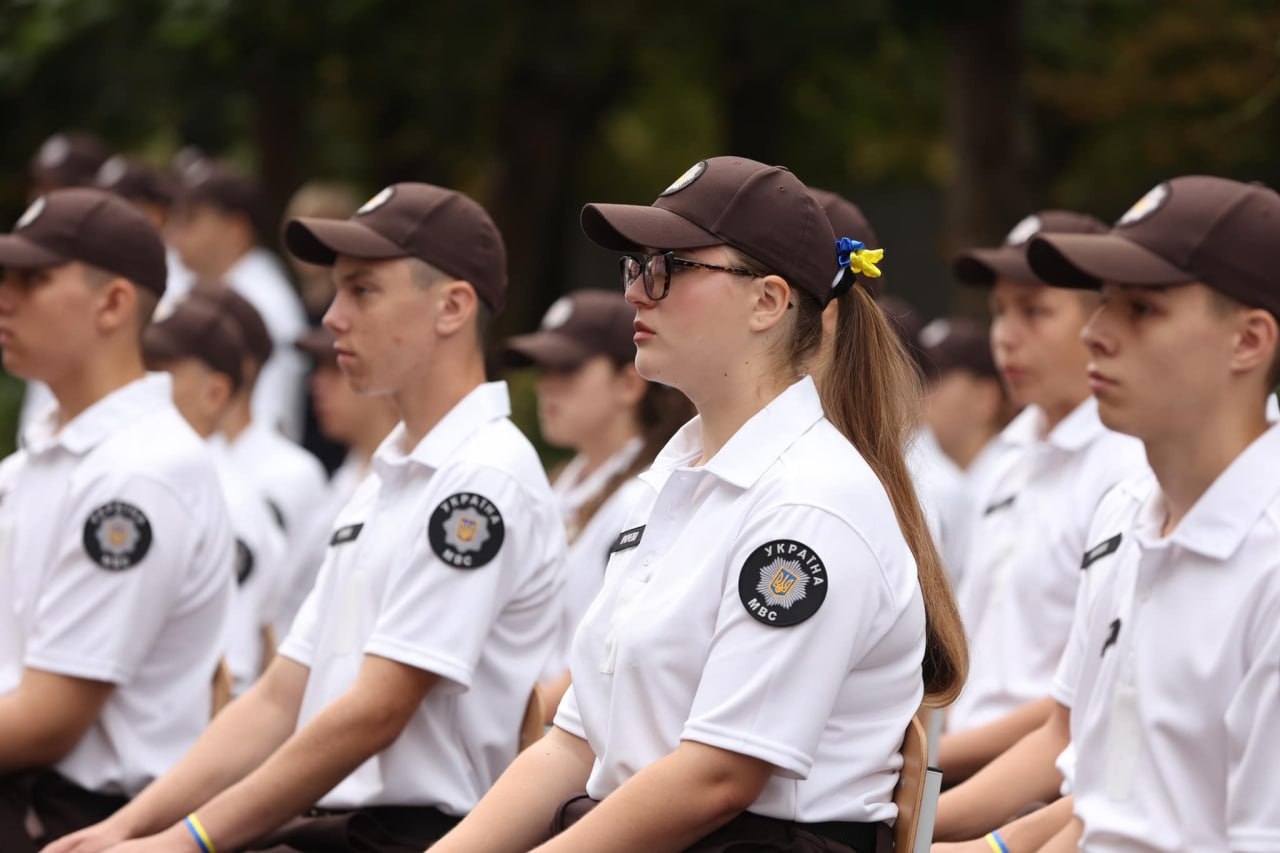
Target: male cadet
200, 346
218, 230
115, 549
1172, 673
292, 480
396, 700
1022, 570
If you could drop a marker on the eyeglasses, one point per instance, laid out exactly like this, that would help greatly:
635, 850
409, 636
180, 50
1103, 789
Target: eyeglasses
656, 269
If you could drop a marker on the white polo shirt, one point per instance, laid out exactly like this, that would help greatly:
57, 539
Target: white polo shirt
588, 550
260, 552
1018, 588
1173, 673
278, 399
944, 494
116, 565
291, 478
307, 547
448, 559
763, 603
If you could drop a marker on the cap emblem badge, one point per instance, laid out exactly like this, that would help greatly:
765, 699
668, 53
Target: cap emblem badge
1146, 206
383, 196
31, 214
558, 314
1024, 231
691, 174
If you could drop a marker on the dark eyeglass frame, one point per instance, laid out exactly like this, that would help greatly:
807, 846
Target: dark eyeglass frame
642, 267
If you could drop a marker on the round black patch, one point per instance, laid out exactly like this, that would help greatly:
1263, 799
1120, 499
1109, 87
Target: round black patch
117, 536
244, 562
783, 582
466, 530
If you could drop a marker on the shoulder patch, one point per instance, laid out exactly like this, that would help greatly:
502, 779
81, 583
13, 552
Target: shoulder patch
782, 583
466, 530
627, 539
117, 535
244, 562
1102, 549
343, 535
1005, 503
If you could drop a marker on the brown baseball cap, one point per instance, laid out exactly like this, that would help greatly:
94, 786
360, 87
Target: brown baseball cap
318, 343
198, 328
220, 186
981, 267
440, 226
1219, 232
257, 340
958, 343
575, 328
762, 210
92, 226
68, 160
135, 180
846, 218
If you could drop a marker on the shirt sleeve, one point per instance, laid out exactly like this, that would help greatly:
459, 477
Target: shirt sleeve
1253, 730
441, 601
805, 598
568, 717
112, 579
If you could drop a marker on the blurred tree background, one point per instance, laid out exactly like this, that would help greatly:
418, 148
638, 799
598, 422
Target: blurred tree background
946, 120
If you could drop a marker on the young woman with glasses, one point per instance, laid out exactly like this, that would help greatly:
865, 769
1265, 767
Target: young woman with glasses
774, 611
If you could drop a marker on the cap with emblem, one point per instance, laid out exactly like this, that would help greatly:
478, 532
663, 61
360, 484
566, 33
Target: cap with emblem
440, 226
91, 226
135, 180
257, 340
200, 329
1215, 231
981, 267
958, 343
575, 328
762, 210
68, 160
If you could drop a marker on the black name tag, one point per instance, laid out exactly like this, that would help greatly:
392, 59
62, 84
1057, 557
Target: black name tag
343, 535
999, 505
627, 539
1102, 549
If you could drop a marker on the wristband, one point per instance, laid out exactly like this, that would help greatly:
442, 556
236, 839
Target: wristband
993, 840
193, 825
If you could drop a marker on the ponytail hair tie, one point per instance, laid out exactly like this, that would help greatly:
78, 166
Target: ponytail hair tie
857, 258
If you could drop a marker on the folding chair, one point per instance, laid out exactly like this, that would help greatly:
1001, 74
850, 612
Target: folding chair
917, 794
532, 726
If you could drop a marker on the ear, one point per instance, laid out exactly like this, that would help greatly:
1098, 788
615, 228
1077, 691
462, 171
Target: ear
218, 392
456, 308
773, 298
117, 305
1255, 342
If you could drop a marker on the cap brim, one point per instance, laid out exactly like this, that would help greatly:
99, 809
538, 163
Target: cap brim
1085, 261
981, 267
623, 227
546, 350
20, 253
320, 241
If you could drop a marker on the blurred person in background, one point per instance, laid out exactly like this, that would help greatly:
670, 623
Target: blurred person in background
1022, 569
153, 192
324, 200
592, 400
352, 421
965, 409
199, 345
292, 480
116, 550
218, 230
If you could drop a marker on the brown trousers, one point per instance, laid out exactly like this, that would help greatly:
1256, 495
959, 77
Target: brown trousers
40, 806
378, 829
749, 833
